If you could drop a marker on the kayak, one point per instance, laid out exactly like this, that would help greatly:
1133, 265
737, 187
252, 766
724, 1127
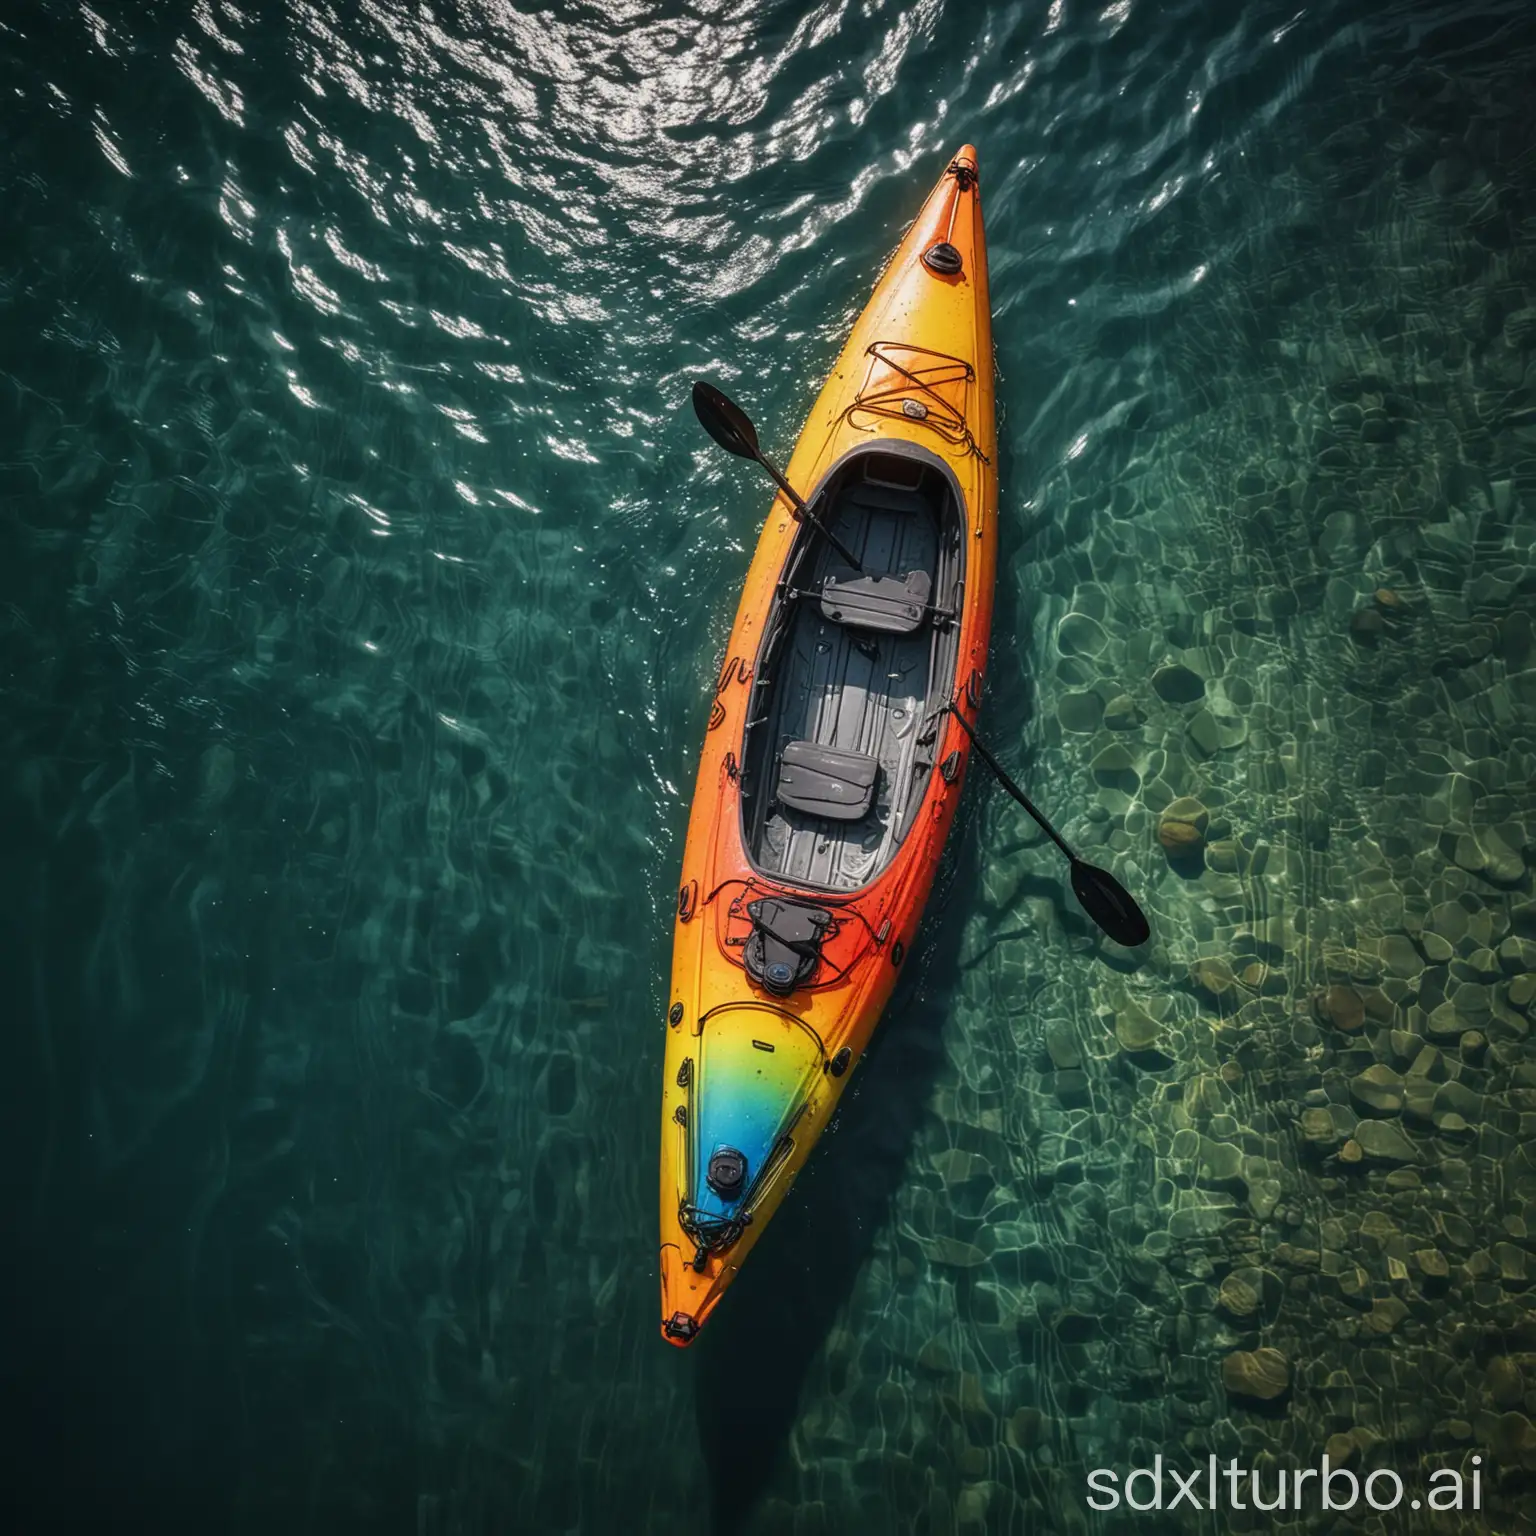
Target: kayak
833, 760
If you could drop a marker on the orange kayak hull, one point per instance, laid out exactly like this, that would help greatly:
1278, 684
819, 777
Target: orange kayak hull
784, 954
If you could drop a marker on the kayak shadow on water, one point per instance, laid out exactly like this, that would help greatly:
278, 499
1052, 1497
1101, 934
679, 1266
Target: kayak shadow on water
754, 1356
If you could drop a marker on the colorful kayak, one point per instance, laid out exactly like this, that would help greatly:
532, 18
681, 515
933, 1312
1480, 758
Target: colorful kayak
831, 766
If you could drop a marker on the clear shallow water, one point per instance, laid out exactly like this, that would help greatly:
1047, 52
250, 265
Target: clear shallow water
363, 585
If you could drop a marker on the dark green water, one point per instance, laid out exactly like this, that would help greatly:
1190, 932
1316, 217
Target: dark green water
362, 582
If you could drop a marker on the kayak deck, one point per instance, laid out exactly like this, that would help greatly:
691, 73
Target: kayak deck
854, 667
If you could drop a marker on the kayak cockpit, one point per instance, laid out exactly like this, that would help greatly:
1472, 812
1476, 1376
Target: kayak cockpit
853, 669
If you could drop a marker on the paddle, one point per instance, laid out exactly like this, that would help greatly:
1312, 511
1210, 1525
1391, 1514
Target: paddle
1103, 898
732, 428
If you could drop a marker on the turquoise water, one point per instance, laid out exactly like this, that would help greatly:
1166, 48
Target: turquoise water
363, 583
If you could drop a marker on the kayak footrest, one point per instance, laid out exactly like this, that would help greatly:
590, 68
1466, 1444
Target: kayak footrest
827, 781
892, 604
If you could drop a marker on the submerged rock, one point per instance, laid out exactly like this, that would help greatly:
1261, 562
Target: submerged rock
1511, 1437
1122, 713
1446, 1025
1385, 1314
953, 1253
1115, 768
1204, 734
1516, 955
1226, 856
1176, 684
1500, 864
1366, 625
1506, 1385
1340, 1006
1213, 977
1027, 1428
1382, 1142
1432, 1263
1078, 634
1136, 1030
1181, 829
1400, 957
1061, 1046
1264, 1197
1261, 1375
1450, 920
1242, 1293
935, 1358
958, 1168
1450, 174
1072, 1089
1378, 1089
1318, 1127
1080, 712
1219, 1165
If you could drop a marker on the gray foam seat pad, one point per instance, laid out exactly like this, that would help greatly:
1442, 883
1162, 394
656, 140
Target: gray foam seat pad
893, 604
827, 781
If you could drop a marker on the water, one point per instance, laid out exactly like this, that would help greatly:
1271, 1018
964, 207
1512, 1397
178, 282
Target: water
364, 580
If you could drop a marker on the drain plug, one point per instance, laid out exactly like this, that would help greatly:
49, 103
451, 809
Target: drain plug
942, 258
727, 1172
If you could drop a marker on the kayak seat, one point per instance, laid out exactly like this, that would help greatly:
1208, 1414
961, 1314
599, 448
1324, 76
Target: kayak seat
826, 781
895, 605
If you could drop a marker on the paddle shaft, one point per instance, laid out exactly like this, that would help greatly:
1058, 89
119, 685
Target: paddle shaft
809, 516
1008, 784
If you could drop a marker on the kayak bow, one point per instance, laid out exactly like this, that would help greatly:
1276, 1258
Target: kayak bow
832, 764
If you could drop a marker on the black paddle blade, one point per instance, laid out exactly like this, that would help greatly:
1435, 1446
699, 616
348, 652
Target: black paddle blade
1110, 905
725, 421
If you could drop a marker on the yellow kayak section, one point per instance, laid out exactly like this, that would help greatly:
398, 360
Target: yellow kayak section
832, 764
